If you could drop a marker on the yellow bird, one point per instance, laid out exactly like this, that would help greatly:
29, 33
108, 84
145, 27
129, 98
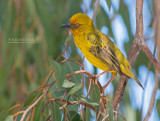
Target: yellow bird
98, 48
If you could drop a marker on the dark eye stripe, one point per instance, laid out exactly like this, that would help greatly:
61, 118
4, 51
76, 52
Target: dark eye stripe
76, 25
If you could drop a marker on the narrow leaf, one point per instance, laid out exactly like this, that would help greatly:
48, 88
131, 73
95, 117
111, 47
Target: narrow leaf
88, 101
68, 84
77, 87
74, 116
56, 112
109, 4
59, 73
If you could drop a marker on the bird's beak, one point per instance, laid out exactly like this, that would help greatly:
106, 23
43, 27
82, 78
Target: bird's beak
66, 25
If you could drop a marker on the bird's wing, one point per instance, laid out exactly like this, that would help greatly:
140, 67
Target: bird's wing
103, 50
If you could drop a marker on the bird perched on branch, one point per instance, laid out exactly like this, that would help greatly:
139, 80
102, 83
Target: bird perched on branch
98, 48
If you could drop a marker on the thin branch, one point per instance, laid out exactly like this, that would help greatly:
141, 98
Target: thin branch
95, 10
63, 96
74, 62
51, 73
157, 38
120, 115
64, 50
151, 57
153, 98
83, 112
134, 51
35, 103
149, 66
51, 107
146, 80
79, 72
74, 102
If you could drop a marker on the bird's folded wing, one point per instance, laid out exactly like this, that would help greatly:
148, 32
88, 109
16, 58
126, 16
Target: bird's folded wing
104, 52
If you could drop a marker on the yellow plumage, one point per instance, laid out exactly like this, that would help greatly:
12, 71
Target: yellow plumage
97, 47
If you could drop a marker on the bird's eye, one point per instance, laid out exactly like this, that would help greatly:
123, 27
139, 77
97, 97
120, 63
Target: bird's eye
76, 25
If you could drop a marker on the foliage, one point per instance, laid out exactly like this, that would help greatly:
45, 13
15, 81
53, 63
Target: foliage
31, 41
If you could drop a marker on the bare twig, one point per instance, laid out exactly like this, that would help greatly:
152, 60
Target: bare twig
63, 96
146, 80
151, 57
134, 51
149, 66
83, 112
79, 72
51, 73
116, 114
89, 87
153, 98
157, 38
45, 106
95, 10
136, 47
120, 115
64, 50
104, 116
74, 62
51, 107
35, 103
74, 102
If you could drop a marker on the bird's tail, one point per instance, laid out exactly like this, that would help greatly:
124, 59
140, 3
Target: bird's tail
128, 72
135, 78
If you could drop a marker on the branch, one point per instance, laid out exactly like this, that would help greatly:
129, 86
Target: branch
135, 49
95, 10
79, 72
134, 52
35, 103
64, 50
120, 115
157, 38
151, 57
153, 98
73, 103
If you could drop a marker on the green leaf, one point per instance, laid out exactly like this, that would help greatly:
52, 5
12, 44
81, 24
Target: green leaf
123, 10
38, 111
72, 107
73, 116
70, 68
68, 84
158, 106
88, 114
19, 116
94, 92
109, 4
58, 93
88, 101
9, 118
110, 111
3, 115
31, 98
74, 89
56, 112
59, 73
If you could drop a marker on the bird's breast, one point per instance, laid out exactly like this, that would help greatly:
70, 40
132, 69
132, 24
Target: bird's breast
84, 45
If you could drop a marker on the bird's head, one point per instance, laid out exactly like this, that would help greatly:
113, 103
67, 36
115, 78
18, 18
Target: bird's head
79, 23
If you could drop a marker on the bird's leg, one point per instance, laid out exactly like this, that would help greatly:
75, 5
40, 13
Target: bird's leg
113, 76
